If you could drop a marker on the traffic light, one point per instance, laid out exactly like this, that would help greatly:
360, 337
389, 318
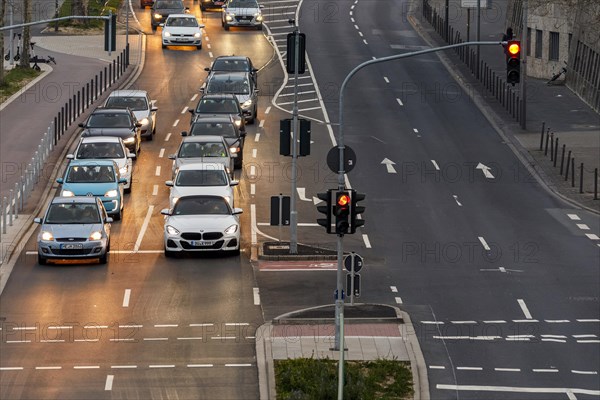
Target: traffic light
110, 33
326, 209
291, 52
513, 62
341, 210
355, 210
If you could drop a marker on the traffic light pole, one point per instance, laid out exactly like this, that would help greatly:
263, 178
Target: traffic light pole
524, 68
293, 210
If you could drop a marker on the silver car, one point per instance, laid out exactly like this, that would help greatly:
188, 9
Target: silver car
242, 13
241, 84
139, 102
74, 228
203, 149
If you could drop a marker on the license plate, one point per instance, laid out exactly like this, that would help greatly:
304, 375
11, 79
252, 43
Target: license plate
71, 246
202, 243
219, 3
181, 40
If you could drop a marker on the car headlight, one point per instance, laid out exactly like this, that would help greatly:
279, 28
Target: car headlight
167, 34
95, 236
157, 16
229, 17
247, 103
259, 17
234, 150
67, 193
123, 170
129, 140
111, 193
238, 123
231, 229
171, 230
197, 35
47, 236
145, 121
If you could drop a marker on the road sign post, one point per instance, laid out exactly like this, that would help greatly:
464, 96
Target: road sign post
353, 264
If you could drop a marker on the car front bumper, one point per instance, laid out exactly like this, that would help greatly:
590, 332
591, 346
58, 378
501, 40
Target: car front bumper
242, 20
181, 41
68, 250
176, 243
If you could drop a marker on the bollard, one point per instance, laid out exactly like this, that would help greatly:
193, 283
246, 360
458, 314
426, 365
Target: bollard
555, 151
567, 169
51, 129
21, 193
595, 183
546, 146
78, 103
75, 113
552, 146
87, 95
10, 207
70, 106
17, 196
55, 124
573, 172
3, 213
542, 138
95, 92
581, 179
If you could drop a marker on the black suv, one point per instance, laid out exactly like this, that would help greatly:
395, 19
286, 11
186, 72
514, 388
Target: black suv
234, 64
220, 104
161, 9
119, 122
220, 125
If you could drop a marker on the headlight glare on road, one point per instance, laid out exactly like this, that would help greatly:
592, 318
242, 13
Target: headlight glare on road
259, 17
231, 229
47, 236
97, 235
67, 193
171, 230
111, 193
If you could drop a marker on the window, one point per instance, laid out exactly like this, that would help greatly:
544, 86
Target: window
538, 43
553, 49
529, 41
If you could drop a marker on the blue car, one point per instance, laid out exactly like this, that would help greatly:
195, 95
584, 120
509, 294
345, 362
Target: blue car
99, 178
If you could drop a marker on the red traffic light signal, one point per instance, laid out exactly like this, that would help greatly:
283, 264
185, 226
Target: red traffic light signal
514, 47
513, 62
341, 210
343, 199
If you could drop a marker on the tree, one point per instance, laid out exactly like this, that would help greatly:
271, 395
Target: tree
2, 7
24, 61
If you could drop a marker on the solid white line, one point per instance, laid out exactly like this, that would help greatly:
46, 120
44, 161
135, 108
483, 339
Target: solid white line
86, 367
11, 368
394, 289
138, 242
130, 326
261, 123
584, 372
252, 189
257, 137
497, 321
484, 243
123, 366
184, 109
155, 190
162, 366
155, 339
138, 252
398, 300
45, 368
190, 338
175, 123
157, 173
385, 78
437, 367
574, 217
592, 236
194, 97
588, 320
268, 109
463, 322
168, 137
584, 336
109, 382
469, 368
126, 297
544, 370
366, 240
238, 365
435, 164
515, 389
254, 151
400, 102
524, 308
200, 325
556, 321
507, 369
166, 325
583, 227
256, 293
199, 365
161, 153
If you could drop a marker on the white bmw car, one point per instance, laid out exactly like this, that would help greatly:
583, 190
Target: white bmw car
201, 178
201, 223
182, 30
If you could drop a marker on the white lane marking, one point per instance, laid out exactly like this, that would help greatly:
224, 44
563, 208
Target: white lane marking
584, 336
394, 289
584, 372
194, 97
252, 171
352, 19
261, 123
138, 242
432, 322
126, 297
588, 341
253, 223
237, 324
399, 102
86, 340
497, 321
507, 369
554, 340
583, 227
123, 366
524, 308
469, 368
155, 190
398, 300
252, 189
52, 341
435, 164
456, 199
544, 370
200, 325
190, 338
570, 395
95, 327
18, 341
223, 337
184, 109
161, 153
352, 7
11, 368
254, 151
199, 365
515, 389
592, 236
155, 339
517, 337
122, 340
24, 328
256, 293
109, 382
238, 365
463, 322
385, 78
206, 38
208, 45
484, 243
168, 137
61, 327
360, 34
166, 325
49, 368
157, 173
588, 320
574, 217
350, 13
356, 27
366, 240
86, 367
175, 123
268, 110
492, 338
257, 137
210, 54
554, 336
365, 42
437, 367
415, 130
524, 320
162, 366
556, 321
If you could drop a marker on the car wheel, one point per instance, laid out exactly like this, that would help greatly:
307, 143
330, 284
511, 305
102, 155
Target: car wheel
150, 136
42, 260
103, 259
226, 26
164, 46
170, 254
259, 28
118, 216
199, 47
202, 8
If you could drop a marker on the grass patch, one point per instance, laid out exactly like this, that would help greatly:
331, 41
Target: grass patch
15, 79
94, 8
310, 378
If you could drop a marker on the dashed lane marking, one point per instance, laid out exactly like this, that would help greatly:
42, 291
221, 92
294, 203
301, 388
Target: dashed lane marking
268, 110
515, 389
162, 366
394, 289
437, 367
11, 368
109, 382
166, 325
49, 368
583, 227
157, 173
545, 370
168, 137
199, 365
398, 300
399, 101
366, 240
185, 109
484, 243
507, 369
194, 97
254, 151
257, 137
365, 41
574, 217
256, 294
252, 189
155, 339
123, 366
161, 153
469, 368
126, 297
385, 78
435, 165
524, 308
86, 367
592, 236
155, 190
175, 123
210, 54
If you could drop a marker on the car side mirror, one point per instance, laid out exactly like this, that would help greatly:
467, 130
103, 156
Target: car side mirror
237, 211
108, 220
59, 180
254, 69
37, 220
162, 24
202, 89
201, 26
256, 91
191, 111
207, 69
130, 155
122, 180
184, 133
243, 133
234, 183
81, 125
165, 211
169, 183
172, 156
154, 109
261, 6
70, 156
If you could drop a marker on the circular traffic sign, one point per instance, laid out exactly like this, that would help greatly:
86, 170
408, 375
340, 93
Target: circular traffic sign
333, 159
358, 262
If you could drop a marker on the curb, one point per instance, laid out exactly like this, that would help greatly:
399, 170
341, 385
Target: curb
264, 362
45, 67
417, 360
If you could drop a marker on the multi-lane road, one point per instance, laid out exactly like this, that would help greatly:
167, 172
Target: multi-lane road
500, 278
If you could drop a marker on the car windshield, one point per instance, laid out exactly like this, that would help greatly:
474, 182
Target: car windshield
185, 22
109, 120
100, 150
134, 103
212, 128
201, 205
90, 174
191, 149
217, 106
230, 65
228, 85
168, 4
73, 213
243, 4
201, 178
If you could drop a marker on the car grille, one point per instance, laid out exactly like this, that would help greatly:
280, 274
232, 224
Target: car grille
71, 252
71, 239
218, 244
201, 236
181, 36
244, 18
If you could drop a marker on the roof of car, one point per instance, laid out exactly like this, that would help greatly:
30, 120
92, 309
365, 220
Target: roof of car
101, 139
128, 93
236, 58
225, 75
74, 199
230, 96
203, 138
220, 118
181, 16
92, 162
202, 166
111, 110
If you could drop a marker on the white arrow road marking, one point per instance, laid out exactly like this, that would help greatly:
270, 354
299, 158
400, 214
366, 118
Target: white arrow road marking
389, 164
486, 170
524, 308
138, 242
302, 194
456, 199
316, 200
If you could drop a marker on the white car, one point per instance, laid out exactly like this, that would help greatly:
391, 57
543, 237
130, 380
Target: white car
200, 224
243, 13
199, 179
106, 148
182, 30
139, 102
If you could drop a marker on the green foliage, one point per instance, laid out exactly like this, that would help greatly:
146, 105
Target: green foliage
310, 378
94, 7
15, 79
